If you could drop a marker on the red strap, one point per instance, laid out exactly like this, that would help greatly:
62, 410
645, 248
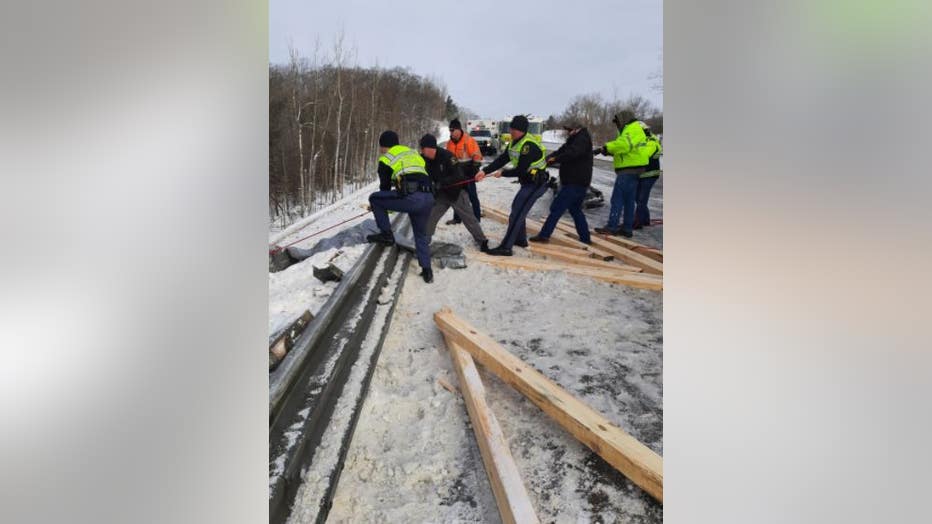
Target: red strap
280, 248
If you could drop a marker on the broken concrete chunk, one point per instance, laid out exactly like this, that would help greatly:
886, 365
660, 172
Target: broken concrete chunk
279, 260
444, 249
328, 273
454, 262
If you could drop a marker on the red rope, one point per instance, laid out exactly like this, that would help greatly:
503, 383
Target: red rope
464, 182
280, 248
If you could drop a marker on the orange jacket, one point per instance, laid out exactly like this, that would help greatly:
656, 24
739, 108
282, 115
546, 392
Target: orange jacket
464, 149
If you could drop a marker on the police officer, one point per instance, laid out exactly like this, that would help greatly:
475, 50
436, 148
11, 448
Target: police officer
449, 190
404, 168
629, 160
647, 179
528, 157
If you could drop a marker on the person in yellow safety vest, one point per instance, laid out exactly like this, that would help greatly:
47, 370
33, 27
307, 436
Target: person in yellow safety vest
647, 179
528, 157
404, 168
630, 160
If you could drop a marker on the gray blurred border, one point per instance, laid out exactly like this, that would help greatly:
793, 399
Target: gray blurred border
797, 240
133, 148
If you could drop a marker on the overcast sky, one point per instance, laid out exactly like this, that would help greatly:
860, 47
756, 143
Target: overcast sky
496, 58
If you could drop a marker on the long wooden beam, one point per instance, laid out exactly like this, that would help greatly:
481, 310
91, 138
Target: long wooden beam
558, 238
574, 251
619, 248
579, 260
514, 504
625, 453
613, 276
648, 264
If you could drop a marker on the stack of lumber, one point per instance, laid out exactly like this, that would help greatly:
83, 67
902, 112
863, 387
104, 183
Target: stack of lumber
467, 345
609, 259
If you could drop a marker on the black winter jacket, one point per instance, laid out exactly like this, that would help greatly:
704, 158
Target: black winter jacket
575, 159
443, 173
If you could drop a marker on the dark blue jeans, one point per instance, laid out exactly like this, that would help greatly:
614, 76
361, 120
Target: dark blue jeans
570, 197
644, 187
417, 206
474, 200
520, 206
623, 196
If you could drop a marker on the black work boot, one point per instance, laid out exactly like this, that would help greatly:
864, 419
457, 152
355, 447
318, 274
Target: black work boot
626, 234
484, 246
427, 274
381, 237
453, 222
500, 251
608, 230
538, 238
521, 244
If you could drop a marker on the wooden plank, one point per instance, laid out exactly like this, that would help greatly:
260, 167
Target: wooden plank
514, 504
648, 264
613, 276
574, 251
625, 453
446, 385
558, 238
284, 340
581, 260
653, 253
650, 252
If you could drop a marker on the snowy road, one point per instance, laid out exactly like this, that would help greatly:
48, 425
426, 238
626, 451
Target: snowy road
414, 458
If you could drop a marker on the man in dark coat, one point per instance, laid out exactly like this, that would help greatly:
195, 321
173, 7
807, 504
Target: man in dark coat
575, 160
449, 190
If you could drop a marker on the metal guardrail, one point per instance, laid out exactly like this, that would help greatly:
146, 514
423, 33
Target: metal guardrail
305, 389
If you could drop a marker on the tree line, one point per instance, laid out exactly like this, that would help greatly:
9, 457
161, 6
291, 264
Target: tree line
595, 113
325, 116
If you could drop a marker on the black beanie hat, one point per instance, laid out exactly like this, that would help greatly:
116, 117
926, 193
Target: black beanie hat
519, 122
388, 139
429, 140
455, 124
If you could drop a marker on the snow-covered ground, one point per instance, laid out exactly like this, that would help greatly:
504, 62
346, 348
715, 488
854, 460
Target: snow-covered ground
296, 289
414, 458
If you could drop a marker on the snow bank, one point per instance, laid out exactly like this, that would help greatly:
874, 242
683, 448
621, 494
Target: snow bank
295, 289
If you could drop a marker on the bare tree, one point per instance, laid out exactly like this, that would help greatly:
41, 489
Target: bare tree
324, 116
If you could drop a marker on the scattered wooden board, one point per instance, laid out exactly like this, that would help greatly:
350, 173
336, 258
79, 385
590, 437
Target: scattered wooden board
614, 275
558, 238
648, 264
447, 386
573, 251
284, 341
625, 453
604, 245
579, 260
512, 499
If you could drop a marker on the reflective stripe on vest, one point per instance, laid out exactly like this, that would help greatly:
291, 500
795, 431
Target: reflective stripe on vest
404, 161
514, 152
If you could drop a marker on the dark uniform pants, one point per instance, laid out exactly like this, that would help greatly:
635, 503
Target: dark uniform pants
520, 206
417, 206
642, 215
